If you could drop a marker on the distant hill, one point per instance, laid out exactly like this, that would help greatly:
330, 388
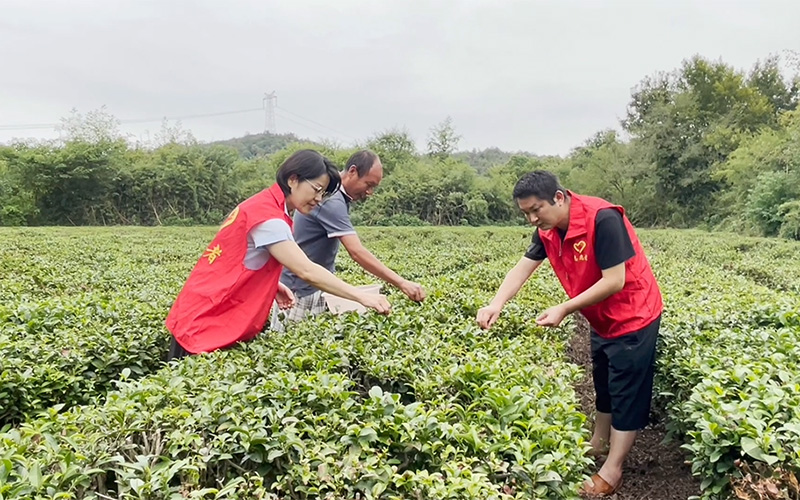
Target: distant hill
484, 159
263, 144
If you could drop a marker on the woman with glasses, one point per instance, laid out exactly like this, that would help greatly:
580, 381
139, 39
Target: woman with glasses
229, 293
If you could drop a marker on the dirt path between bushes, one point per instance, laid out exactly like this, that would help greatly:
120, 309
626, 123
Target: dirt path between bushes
653, 470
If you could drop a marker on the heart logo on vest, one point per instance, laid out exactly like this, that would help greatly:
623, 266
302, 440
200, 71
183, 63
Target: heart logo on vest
579, 246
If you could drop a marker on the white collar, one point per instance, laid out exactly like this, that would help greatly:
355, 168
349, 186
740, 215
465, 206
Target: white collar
341, 188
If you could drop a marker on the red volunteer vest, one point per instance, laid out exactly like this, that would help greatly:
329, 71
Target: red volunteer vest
223, 302
634, 307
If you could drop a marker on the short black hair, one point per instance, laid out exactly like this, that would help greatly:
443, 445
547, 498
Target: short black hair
539, 183
307, 164
363, 161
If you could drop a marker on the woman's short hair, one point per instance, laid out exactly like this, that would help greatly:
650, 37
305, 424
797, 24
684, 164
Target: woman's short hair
307, 164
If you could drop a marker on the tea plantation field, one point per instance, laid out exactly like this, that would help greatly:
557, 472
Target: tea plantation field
421, 404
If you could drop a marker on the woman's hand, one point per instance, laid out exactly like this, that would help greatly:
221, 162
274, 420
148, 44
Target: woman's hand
284, 297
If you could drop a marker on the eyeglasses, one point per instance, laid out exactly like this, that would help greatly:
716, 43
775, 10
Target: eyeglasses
318, 190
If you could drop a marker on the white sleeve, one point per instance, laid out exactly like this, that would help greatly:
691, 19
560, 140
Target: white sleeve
270, 232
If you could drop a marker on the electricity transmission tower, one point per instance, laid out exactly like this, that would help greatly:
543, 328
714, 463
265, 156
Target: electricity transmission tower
270, 101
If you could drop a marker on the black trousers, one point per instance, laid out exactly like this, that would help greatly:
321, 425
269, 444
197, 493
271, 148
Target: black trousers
622, 369
176, 351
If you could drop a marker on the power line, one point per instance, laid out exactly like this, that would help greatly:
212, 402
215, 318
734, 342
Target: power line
309, 127
32, 126
271, 108
316, 123
186, 117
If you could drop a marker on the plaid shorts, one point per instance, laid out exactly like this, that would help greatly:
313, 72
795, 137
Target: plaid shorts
309, 305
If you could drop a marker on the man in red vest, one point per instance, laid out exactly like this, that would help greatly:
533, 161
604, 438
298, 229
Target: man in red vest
596, 255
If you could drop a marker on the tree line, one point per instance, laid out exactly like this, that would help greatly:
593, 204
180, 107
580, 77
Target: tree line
704, 145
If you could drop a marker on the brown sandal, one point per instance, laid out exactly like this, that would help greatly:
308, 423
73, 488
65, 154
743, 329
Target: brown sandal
599, 487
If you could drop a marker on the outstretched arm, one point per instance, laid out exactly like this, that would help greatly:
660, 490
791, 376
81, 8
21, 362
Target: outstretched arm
512, 283
613, 281
292, 257
371, 264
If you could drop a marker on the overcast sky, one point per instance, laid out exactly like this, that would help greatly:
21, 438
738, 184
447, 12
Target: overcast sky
540, 76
